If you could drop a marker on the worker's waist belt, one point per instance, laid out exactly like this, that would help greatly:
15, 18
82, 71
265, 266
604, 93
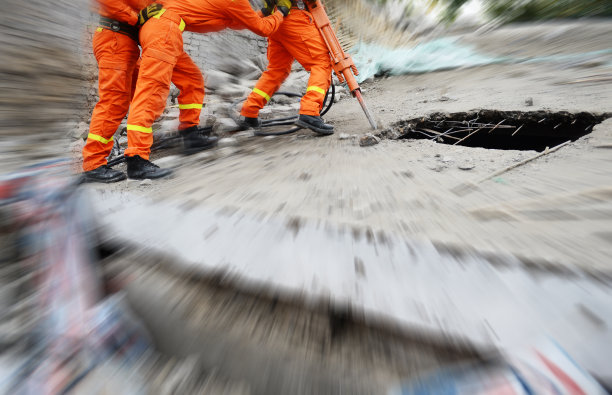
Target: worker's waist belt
119, 27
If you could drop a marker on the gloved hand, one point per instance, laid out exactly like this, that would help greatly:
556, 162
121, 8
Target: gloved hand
283, 6
146, 13
268, 7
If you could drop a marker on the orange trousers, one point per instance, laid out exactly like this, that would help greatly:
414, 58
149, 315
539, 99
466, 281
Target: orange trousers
163, 61
298, 38
117, 57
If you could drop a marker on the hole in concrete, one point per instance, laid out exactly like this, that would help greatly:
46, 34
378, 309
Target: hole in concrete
507, 130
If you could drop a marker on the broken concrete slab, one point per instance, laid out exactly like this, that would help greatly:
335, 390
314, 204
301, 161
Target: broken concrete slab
406, 283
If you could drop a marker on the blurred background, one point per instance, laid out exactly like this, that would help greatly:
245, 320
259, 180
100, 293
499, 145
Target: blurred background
463, 246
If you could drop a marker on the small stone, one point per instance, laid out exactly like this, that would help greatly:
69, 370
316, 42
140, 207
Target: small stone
466, 166
444, 98
227, 142
529, 101
344, 136
145, 183
368, 140
447, 159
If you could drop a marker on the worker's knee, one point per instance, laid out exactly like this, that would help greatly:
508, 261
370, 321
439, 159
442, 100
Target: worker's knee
113, 107
155, 70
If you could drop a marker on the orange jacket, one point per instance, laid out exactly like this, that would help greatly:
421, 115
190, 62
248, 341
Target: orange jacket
121, 10
203, 16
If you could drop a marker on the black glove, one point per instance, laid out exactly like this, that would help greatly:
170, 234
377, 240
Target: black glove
283, 6
146, 13
268, 7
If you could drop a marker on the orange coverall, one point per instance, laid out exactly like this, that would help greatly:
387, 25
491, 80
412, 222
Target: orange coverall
162, 54
298, 38
118, 63
117, 56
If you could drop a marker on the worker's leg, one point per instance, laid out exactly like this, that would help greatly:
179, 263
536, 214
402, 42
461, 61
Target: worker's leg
307, 46
162, 45
279, 67
188, 79
117, 55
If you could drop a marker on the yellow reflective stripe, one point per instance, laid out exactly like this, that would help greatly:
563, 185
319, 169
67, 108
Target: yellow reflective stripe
100, 138
189, 106
181, 25
99, 29
316, 89
262, 94
160, 14
140, 128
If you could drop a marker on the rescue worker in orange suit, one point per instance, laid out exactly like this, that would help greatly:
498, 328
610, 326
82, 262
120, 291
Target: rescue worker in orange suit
297, 39
162, 53
115, 46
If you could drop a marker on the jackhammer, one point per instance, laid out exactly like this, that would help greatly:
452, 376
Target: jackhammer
342, 63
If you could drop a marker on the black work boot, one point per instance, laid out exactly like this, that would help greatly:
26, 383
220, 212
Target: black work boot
104, 174
249, 123
315, 123
139, 169
196, 139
